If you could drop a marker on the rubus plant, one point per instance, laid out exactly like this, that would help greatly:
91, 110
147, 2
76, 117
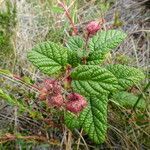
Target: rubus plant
81, 83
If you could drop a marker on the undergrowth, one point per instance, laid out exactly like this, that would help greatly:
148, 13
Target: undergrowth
7, 26
39, 116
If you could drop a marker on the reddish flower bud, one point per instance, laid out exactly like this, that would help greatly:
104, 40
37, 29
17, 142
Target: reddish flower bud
48, 83
56, 100
43, 93
56, 88
76, 102
74, 106
78, 97
93, 27
52, 86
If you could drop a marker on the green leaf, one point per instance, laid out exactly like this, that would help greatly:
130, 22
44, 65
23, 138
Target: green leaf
93, 119
75, 46
95, 80
82, 53
19, 103
75, 43
71, 120
49, 57
73, 58
102, 43
56, 9
104, 7
5, 96
5, 72
127, 76
128, 100
96, 58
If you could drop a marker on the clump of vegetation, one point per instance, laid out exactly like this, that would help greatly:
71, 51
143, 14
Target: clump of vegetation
79, 89
7, 25
81, 83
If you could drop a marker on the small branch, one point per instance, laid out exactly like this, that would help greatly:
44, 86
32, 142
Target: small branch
138, 100
80, 134
79, 140
69, 140
11, 137
16, 79
75, 31
140, 96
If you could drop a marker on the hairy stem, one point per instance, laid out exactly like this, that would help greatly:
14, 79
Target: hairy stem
75, 31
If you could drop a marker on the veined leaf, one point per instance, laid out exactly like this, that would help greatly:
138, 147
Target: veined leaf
92, 79
102, 43
96, 58
49, 57
128, 100
93, 119
73, 58
75, 43
106, 40
127, 76
71, 120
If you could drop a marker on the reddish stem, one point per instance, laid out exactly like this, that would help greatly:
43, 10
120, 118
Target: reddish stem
21, 81
75, 31
72, 23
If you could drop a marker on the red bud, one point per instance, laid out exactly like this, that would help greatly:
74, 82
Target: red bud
56, 100
93, 27
74, 106
76, 102
48, 83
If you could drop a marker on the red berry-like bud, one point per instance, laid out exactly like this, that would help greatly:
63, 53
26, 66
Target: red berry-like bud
76, 103
56, 89
48, 83
93, 27
76, 96
43, 93
74, 106
52, 86
56, 100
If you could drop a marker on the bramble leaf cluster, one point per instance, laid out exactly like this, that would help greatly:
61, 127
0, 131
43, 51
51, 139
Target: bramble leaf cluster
89, 77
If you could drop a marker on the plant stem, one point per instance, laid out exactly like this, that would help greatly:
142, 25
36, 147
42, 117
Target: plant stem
75, 31
69, 140
79, 140
12, 137
18, 80
140, 96
138, 100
